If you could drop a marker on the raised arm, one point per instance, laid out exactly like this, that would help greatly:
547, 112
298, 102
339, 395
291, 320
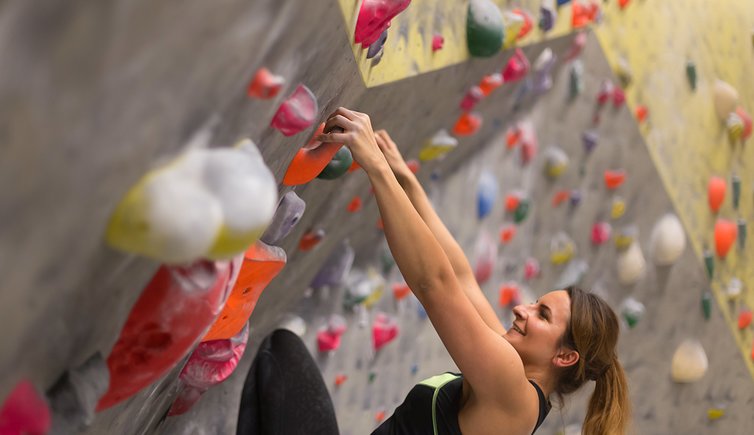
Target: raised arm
488, 361
453, 251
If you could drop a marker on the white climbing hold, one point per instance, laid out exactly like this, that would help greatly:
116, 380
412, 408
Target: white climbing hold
668, 240
689, 362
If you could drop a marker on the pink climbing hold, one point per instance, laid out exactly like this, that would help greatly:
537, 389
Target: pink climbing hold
374, 18
746, 119
605, 92
25, 412
517, 68
265, 85
619, 97
473, 96
577, 46
601, 232
437, 42
211, 363
531, 269
296, 113
384, 330
328, 338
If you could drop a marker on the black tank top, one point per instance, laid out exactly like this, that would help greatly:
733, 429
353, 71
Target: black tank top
431, 408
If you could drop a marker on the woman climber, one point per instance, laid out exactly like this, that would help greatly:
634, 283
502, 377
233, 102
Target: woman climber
554, 346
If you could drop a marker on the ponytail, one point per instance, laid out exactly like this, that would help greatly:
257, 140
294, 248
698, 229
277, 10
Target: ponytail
609, 408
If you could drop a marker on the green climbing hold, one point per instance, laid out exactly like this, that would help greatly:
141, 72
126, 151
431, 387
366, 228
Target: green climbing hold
372, 376
338, 165
709, 263
484, 28
576, 80
735, 180
521, 211
707, 305
691, 74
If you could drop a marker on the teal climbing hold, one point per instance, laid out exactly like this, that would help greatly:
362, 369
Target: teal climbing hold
741, 233
735, 180
709, 263
484, 28
691, 74
338, 166
521, 211
707, 305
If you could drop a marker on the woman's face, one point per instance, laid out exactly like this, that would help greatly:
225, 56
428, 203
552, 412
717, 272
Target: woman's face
538, 328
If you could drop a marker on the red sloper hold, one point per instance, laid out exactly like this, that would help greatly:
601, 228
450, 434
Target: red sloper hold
211, 363
310, 160
261, 264
296, 113
172, 314
265, 85
24, 412
374, 18
517, 67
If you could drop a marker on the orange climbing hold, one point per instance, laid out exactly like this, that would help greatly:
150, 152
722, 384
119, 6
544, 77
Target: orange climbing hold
340, 380
716, 193
528, 23
509, 295
261, 264
379, 416
354, 167
641, 113
310, 239
512, 137
490, 82
512, 201
354, 205
583, 14
726, 232
623, 3
507, 233
559, 197
265, 85
400, 291
310, 160
744, 319
614, 179
467, 124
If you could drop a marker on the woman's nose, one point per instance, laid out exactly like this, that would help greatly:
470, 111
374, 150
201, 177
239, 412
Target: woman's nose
520, 312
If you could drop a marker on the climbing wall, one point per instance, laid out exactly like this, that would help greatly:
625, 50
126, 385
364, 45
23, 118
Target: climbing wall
86, 116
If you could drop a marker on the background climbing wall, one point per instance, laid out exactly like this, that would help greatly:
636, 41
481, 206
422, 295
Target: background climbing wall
83, 116
687, 142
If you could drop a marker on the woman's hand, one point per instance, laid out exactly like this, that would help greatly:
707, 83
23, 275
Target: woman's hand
354, 130
393, 156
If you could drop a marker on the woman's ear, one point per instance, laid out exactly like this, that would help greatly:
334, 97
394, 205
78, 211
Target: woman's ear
566, 357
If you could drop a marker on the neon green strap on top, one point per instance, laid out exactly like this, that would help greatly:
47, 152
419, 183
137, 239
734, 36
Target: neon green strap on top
437, 382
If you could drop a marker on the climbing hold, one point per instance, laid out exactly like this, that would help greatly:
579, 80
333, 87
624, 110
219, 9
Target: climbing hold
487, 192
336, 267
735, 126
528, 23
510, 295
715, 193
414, 369
556, 162
171, 315
328, 337
689, 362
211, 363
413, 165
520, 94
340, 379
691, 74
632, 311
747, 123
531, 268
715, 413
516, 68
741, 223
507, 232
310, 239
354, 205
735, 181
734, 288
576, 80
400, 291
542, 71
614, 178
619, 97
707, 305
623, 71
384, 330
605, 93
206, 203
437, 146
668, 240
726, 232
490, 82
354, 166
519, 215
575, 197
372, 377
363, 288
374, 19
486, 255
484, 28
261, 264
437, 42
24, 411
512, 200
725, 98
338, 166
265, 85
562, 249
617, 208
310, 160
467, 124
631, 265
548, 13
473, 96
623, 3
75, 395
559, 197
744, 318
289, 212
641, 113
601, 232
513, 23
379, 416
376, 48
577, 46
528, 143
589, 139
512, 136
709, 263
296, 113
625, 237
583, 13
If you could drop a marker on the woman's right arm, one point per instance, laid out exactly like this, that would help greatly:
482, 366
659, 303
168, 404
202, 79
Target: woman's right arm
453, 251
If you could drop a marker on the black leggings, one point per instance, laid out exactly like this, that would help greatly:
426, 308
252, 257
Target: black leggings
284, 393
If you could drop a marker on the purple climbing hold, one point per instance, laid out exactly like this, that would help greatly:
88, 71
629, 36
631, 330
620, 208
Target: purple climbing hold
542, 71
74, 396
296, 113
288, 214
575, 198
336, 267
589, 139
377, 46
548, 14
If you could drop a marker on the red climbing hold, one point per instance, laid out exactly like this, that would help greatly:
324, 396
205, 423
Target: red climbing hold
726, 232
716, 193
400, 291
25, 411
310, 239
559, 197
614, 179
507, 233
601, 233
512, 201
623, 3
374, 18
473, 96
296, 113
512, 137
467, 124
641, 113
584, 13
413, 165
517, 67
340, 380
310, 160
384, 330
437, 42
509, 295
354, 205
490, 82
265, 85
746, 119
744, 319
528, 23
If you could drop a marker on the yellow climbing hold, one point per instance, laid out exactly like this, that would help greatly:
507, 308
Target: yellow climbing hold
618, 208
715, 413
437, 146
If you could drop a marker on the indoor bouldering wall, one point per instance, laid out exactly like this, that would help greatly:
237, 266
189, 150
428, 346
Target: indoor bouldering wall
96, 95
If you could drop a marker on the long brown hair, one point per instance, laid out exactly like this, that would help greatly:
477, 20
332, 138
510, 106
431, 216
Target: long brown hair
593, 333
